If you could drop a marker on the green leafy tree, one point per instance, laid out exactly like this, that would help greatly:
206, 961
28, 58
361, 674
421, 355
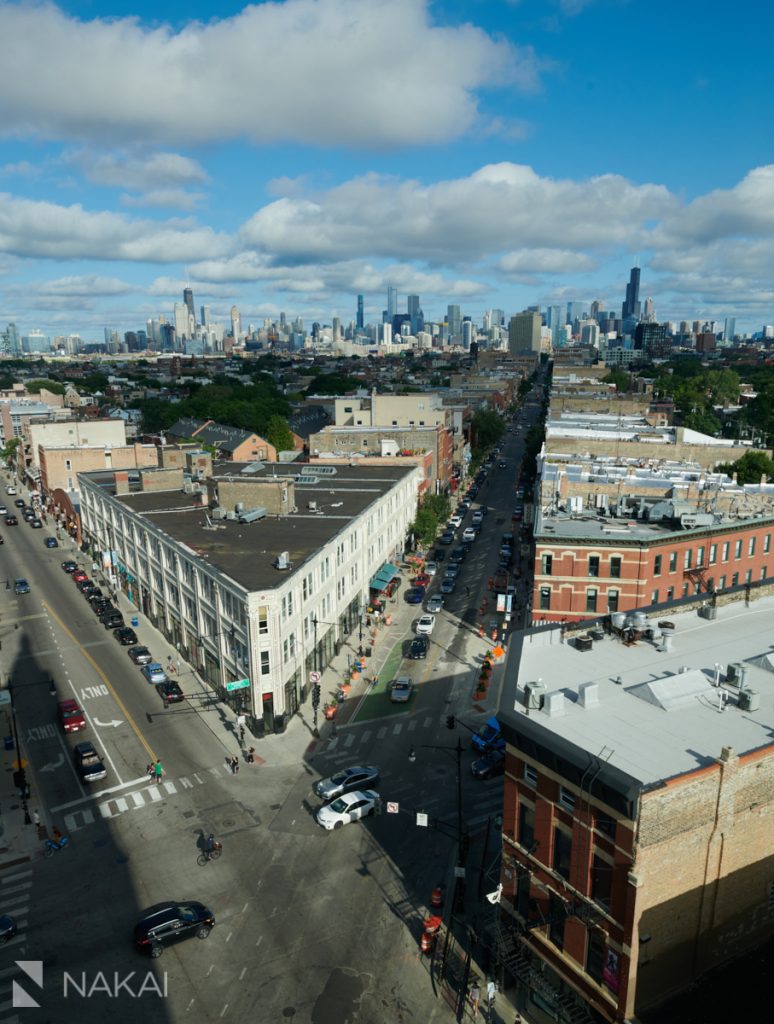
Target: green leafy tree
333, 384
439, 505
279, 434
425, 526
487, 428
40, 384
750, 469
620, 378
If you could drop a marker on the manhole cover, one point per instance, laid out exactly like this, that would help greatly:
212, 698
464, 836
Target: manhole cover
289, 1011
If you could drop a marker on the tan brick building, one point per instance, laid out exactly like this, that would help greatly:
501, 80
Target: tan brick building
60, 465
637, 820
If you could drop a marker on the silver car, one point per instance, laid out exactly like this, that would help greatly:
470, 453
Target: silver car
347, 780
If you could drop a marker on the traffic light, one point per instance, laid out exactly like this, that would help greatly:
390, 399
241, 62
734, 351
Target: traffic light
316, 695
450, 721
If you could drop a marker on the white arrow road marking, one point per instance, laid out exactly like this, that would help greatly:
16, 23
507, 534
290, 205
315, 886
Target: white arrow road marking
105, 725
54, 764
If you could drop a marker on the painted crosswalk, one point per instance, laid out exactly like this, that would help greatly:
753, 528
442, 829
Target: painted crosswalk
15, 899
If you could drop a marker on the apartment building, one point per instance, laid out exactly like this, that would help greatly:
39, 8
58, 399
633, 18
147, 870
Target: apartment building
637, 844
256, 572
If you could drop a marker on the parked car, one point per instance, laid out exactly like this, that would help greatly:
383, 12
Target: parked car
518, 513
458, 554
140, 655
425, 624
8, 928
489, 737
88, 764
446, 538
456, 520
401, 690
71, 717
439, 554
170, 692
422, 580
21, 586
418, 648
20, 503
502, 463
415, 595
36, 524
448, 585
347, 808
125, 636
354, 777
166, 923
79, 574
453, 570
431, 568
469, 533
154, 673
112, 620
69, 565
434, 603
11, 521
51, 542
491, 764
478, 518
84, 584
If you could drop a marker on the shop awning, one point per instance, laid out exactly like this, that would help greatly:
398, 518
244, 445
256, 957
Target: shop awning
384, 576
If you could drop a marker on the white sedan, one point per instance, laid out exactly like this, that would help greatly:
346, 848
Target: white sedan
431, 568
469, 533
348, 807
425, 624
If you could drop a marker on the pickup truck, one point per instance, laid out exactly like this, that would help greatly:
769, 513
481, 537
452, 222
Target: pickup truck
489, 737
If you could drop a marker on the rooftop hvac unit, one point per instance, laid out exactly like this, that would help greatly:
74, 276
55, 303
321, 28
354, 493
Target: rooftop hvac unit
534, 694
188, 486
736, 673
312, 506
231, 516
239, 507
749, 700
282, 561
252, 515
218, 513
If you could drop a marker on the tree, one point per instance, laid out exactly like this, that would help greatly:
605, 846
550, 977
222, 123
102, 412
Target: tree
620, 378
38, 385
279, 434
425, 526
487, 428
750, 468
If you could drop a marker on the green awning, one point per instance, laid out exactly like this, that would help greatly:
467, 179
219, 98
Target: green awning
384, 576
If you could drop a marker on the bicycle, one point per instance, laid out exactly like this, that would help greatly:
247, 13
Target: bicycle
54, 847
207, 855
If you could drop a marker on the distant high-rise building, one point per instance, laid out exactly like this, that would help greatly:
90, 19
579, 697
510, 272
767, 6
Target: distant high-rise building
524, 332
205, 315
236, 324
467, 333
188, 299
360, 319
336, 328
649, 311
454, 320
182, 316
631, 306
392, 303
416, 318
729, 330
597, 309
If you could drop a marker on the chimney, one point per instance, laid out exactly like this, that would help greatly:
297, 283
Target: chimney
121, 481
588, 695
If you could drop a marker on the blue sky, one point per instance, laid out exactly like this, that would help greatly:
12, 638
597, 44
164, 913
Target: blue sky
288, 156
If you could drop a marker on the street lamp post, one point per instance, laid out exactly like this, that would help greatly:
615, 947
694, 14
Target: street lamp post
20, 775
456, 753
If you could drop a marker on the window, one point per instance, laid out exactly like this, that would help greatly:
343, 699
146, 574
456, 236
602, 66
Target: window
673, 562
530, 775
687, 558
654, 597
724, 556
562, 852
546, 564
751, 546
612, 600
605, 824
766, 543
265, 666
263, 620
738, 549
68, 464
591, 600
566, 799
722, 583
545, 598
526, 825
601, 880
594, 565
713, 554
670, 594
657, 565
700, 555
615, 567
556, 918
735, 580
748, 576
763, 572
686, 589
595, 955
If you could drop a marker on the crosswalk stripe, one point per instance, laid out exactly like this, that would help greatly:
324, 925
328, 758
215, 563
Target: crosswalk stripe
120, 804
170, 788
397, 728
382, 733
16, 876
412, 725
138, 799
153, 793
349, 740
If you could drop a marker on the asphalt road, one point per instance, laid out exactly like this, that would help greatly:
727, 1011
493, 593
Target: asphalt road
312, 926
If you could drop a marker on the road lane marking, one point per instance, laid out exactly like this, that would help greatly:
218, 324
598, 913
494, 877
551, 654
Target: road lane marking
133, 725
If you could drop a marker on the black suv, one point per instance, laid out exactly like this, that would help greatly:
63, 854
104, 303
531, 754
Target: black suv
166, 923
112, 619
418, 647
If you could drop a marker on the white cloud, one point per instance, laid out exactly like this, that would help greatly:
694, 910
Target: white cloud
33, 228
546, 261
746, 210
164, 199
352, 72
22, 169
137, 170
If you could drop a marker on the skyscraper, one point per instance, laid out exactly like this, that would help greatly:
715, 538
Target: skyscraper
188, 299
454, 320
524, 332
631, 305
182, 314
360, 321
729, 330
392, 303
416, 318
236, 324
205, 315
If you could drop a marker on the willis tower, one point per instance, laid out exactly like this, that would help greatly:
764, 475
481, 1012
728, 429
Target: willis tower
631, 307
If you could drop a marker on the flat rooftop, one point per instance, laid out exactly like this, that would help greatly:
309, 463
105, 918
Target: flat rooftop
245, 552
659, 713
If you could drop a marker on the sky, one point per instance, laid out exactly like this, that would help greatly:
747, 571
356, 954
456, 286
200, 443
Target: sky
288, 156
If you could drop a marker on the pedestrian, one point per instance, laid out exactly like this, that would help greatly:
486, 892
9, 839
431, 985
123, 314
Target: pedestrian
149, 771
475, 997
241, 734
234, 765
56, 834
251, 755
36, 819
491, 991
158, 771
170, 665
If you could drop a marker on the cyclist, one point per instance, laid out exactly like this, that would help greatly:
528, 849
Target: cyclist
209, 845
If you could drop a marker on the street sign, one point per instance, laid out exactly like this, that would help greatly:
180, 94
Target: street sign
423, 819
392, 807
315, 677
239, 684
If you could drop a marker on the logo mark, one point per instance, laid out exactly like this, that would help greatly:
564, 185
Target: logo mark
34, 971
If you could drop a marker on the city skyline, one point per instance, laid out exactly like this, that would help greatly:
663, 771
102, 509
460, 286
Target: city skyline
496, 162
